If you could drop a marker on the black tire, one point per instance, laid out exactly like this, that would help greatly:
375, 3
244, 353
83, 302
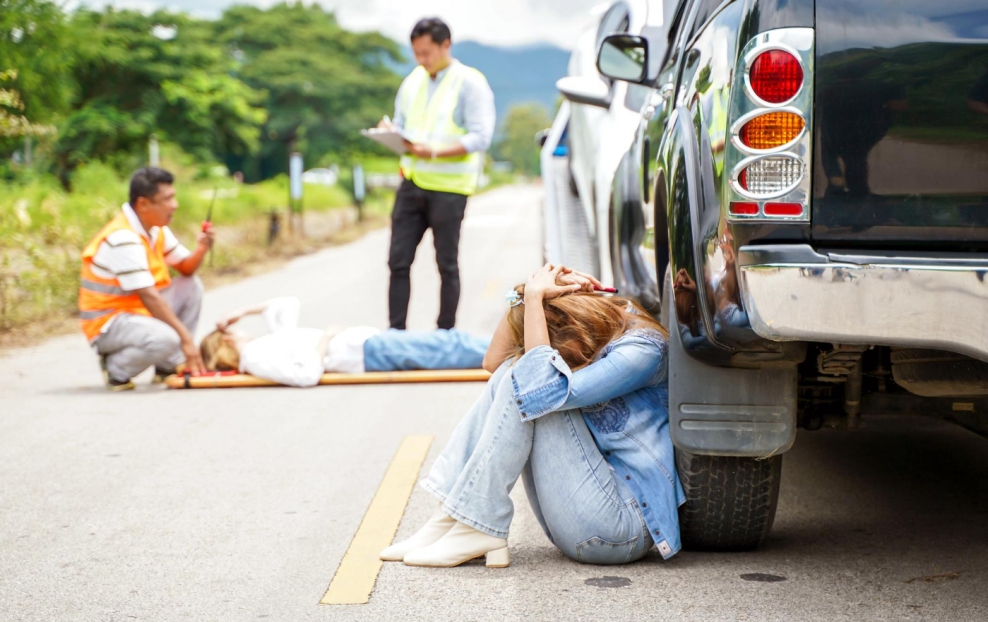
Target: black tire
730, 502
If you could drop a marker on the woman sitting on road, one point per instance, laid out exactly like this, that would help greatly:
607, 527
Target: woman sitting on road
298, 357
577, 406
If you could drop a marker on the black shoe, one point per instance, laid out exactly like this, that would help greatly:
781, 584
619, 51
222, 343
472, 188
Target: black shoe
160, 375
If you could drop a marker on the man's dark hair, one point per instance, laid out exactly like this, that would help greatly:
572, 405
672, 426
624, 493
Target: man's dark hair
434, 27
145, 181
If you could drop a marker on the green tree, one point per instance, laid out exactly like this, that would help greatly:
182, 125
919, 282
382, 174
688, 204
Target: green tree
35, 43
13, 124
139, 75
35, 61
323, 83
517, 141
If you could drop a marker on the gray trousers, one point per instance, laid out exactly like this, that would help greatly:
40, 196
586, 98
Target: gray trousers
132, 343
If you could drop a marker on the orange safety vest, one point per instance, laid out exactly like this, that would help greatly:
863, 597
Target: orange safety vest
100, 298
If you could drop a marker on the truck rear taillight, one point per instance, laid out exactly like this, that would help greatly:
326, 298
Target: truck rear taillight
751, 208
744, 208
769, 156
771, 130
784, 209
775, 76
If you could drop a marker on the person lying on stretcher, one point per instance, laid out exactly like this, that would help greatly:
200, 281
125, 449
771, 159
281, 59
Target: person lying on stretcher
298, 357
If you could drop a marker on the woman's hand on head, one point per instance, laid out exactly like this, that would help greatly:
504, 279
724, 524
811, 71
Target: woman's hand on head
544, 284
587, 282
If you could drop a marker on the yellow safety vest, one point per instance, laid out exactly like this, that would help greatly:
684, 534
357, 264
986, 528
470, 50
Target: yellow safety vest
430, 122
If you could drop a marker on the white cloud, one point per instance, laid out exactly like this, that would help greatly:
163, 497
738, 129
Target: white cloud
497, 22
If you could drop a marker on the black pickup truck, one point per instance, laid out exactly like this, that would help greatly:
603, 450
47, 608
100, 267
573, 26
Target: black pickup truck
811, 222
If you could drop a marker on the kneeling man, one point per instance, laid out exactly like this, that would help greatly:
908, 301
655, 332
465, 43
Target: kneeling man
133, 313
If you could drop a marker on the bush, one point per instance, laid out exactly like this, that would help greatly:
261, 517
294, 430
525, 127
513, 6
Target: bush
43, 228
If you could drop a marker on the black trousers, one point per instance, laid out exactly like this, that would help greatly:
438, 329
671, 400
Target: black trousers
415, 211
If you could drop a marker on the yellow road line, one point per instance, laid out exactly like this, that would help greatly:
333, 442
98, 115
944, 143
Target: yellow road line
358, 571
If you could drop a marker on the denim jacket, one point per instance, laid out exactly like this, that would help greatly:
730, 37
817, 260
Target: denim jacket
624, 397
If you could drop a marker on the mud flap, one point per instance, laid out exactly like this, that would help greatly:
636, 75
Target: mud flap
727, 411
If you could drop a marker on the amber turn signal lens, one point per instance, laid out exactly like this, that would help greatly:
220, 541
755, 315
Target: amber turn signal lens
771, 130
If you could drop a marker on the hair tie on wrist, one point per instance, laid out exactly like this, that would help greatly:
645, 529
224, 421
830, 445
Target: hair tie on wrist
514, 298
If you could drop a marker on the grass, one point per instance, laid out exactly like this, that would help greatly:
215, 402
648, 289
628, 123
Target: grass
43, 228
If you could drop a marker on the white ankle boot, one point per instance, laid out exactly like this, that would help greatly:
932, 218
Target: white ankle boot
461, 544
435, 528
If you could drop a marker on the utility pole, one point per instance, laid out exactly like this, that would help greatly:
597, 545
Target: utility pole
359, 189
295, 166
154, 156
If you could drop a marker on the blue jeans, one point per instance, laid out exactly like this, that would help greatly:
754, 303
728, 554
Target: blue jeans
586, 512
401, 350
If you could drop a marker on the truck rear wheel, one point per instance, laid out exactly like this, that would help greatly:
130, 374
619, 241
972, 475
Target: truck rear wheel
730, 502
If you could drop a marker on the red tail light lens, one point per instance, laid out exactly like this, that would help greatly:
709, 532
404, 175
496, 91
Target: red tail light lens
783, 209
744, 208
776, 76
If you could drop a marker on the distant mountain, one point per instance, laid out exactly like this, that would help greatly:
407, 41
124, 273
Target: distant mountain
517, 75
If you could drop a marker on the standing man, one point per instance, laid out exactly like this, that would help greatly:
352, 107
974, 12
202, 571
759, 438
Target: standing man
446, 111
133, 313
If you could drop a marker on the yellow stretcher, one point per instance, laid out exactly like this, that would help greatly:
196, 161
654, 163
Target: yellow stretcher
227, 381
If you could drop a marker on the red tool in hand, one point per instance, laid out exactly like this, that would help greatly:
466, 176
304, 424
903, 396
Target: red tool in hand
605, 290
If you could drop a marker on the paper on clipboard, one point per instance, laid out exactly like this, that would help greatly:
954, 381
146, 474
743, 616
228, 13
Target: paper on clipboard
392, 139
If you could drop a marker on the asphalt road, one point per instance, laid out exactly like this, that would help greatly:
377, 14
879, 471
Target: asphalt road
238, 505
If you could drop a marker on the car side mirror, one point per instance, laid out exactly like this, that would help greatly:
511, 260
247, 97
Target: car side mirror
623, 57
585, 90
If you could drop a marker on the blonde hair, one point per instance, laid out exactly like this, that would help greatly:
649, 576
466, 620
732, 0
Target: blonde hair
581, 324
218, 354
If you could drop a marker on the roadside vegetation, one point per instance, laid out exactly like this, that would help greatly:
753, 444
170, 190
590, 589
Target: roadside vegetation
43, 227
85, 94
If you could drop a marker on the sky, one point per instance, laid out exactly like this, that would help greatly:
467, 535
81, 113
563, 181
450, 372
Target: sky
495, 22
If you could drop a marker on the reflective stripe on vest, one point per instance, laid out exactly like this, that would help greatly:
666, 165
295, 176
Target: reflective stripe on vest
101, 288
101, 298
430, 122
92, 315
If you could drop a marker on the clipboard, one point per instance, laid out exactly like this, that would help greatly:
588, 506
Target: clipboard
392, 139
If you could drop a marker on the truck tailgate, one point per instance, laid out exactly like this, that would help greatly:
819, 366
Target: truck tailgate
901, 114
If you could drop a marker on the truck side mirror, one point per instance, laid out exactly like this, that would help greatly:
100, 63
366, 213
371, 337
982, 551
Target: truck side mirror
623, 57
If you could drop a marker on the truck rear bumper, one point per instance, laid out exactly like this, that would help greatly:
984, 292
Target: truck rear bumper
794, 293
